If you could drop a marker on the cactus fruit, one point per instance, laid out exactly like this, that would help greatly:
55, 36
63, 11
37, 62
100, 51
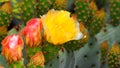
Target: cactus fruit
43, 6
95, 24
29, 9
114, 56
104, 51
81, 9
115, 12
96, 19
12, 47
59, 4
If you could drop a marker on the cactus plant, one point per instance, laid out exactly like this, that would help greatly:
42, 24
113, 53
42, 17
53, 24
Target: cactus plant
113, 56
29, 9
43, 6
49, 51
97, 22
57, 44
115, 12
81, 9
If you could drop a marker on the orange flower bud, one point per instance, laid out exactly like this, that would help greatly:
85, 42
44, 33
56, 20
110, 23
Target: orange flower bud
12, 48
38, 59
32, 32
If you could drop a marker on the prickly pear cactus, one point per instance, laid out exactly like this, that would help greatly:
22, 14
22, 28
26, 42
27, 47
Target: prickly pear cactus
114, 56
94, 26
5, 18
104, 51
43, 6
115, 12
28, 9
81, 9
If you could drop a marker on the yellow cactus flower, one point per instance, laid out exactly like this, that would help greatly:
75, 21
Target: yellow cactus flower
59, 27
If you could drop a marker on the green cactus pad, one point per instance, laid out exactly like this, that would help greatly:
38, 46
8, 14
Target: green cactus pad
28, 9
5, 18
81, 9
115, 12
95, 21
43, 6
30, 51
74, 45
50, 51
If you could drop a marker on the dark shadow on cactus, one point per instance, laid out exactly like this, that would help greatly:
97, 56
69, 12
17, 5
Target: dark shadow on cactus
14, 23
